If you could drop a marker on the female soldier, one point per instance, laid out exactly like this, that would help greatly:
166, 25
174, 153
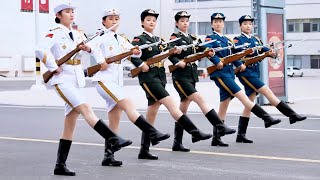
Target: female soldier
185, 78
224, 78
250, 78
153, 80
109, 83
68, 80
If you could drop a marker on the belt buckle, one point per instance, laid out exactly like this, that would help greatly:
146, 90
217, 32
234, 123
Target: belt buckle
151, 65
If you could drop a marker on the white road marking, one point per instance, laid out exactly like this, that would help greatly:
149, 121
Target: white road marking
169, 150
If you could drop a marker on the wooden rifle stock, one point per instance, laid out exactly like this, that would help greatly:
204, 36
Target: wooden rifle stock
254, 60
154, 59
230, 59
191, 58
48, 75
94, 69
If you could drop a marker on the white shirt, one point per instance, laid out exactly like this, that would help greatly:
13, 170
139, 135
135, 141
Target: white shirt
107, 46
218, 33
53, 47
185, 34
151, 35
247, 35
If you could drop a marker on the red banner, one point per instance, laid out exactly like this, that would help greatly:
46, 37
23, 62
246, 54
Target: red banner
44, 6
26, 5
276, 65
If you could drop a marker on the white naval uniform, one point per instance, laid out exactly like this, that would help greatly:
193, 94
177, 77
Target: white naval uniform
68, 84
110, 81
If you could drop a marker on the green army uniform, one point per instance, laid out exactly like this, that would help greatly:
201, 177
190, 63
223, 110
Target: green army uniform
154, 81
185, 78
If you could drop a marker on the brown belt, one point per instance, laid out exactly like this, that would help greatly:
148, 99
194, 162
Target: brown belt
190, 63
73, 62
159, 65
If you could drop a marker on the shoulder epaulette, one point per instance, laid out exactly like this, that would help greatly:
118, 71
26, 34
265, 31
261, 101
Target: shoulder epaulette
55, 29
125, 37
257, 38
194, 37
229, 39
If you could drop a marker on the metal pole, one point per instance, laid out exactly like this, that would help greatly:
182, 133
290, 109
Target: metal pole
38, 84
196, 22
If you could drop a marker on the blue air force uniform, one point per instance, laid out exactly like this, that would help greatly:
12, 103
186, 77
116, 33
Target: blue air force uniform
223, 78
250, 78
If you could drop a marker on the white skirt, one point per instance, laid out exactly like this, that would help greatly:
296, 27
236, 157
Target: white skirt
72, 95
111, 92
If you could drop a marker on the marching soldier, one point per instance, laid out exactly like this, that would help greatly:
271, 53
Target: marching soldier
153, 80
250, 78
185, 78
68, 81
224, 78
109, 82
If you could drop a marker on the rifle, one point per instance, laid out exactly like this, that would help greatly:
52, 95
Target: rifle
48, 75
230, 58
156, 58
260, 57
90, 71
194, 57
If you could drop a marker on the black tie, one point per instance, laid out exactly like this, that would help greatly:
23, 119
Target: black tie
71, 35
115, 35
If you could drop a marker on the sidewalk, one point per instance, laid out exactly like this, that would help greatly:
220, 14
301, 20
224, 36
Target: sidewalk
303, 102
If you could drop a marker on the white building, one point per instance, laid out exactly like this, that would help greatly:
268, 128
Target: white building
20, 32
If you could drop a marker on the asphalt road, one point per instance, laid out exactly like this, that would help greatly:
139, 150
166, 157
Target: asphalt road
29, 136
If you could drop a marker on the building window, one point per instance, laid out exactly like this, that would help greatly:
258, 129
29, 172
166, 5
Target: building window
315, 27
306, 27
303, 25
294, 61
192, 28
204, 28
182, 1
290, 27
231, 27
315, 62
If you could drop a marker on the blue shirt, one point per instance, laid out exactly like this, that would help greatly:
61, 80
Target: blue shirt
221, 41
253, 70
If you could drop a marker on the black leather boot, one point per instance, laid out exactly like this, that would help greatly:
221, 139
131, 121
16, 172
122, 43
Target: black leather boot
187, 125
268, 120
287, 111
154, 135
214, 119
108, 159
117, 142
242, 130
216, 139
144, 150
177, 142
63, 151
